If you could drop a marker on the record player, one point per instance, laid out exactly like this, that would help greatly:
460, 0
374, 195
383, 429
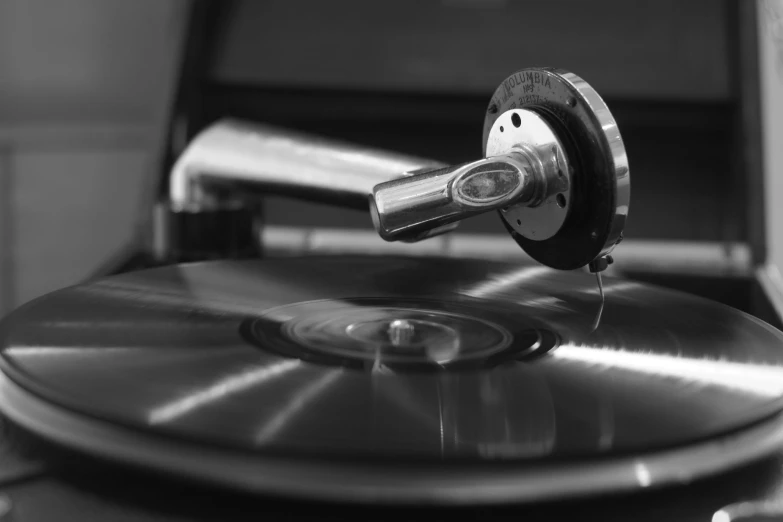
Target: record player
233, 371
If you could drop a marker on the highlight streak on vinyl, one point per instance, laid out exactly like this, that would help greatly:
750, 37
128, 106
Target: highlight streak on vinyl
60, 351
751, 511
205, 354
219, 390
762, 380
501, 282
440, 422
300, 401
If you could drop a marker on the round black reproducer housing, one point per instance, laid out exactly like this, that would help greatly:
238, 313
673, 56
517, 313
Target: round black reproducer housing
573, 227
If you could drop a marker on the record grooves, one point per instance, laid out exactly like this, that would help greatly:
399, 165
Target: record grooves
338, 378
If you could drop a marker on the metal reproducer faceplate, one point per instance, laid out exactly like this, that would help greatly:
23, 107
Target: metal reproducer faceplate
599, 180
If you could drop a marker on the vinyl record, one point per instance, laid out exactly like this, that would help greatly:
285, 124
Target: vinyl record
396, 379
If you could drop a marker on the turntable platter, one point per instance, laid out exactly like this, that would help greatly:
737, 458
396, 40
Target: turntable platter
398, 379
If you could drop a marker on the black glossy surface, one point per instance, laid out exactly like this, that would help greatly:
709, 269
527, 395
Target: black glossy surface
162, 350
741, 292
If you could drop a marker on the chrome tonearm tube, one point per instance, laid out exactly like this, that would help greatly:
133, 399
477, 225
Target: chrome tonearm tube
553, 166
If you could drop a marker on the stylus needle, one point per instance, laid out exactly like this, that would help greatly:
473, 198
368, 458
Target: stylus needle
601, 308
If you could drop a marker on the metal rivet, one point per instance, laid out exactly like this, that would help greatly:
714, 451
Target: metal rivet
401, 332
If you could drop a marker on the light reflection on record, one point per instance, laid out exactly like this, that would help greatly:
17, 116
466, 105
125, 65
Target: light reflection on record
233, 354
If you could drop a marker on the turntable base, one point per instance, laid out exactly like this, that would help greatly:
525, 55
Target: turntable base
72, 485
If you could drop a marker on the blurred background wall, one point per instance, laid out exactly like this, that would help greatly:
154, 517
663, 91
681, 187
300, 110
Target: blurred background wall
86, 85
84, 89
771, 65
